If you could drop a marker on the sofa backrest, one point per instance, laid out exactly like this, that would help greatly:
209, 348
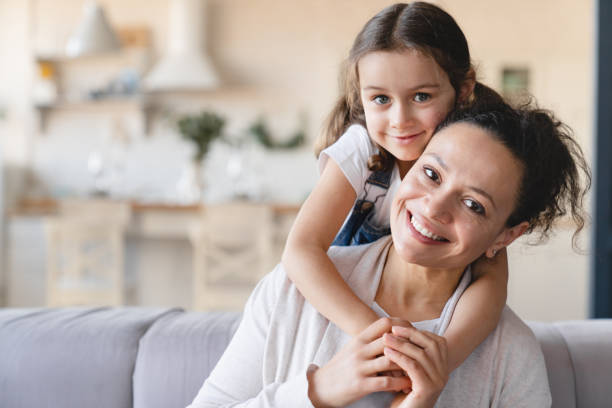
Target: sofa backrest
160, 357
70, 357
578, 358
177, 354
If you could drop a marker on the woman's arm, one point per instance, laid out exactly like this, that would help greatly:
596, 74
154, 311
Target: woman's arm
305, 256
479, 309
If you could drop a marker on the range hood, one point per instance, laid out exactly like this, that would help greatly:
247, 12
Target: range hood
185, 66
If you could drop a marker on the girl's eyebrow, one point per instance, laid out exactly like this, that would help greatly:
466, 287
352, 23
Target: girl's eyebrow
473, 188
420, 86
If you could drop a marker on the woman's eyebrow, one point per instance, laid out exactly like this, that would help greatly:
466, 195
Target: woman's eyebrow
473, 188
438, 159
484, 193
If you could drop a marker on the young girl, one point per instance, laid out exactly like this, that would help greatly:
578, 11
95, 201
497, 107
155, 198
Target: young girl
408, 68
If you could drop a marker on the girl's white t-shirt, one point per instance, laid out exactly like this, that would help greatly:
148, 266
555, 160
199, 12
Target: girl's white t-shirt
351, 153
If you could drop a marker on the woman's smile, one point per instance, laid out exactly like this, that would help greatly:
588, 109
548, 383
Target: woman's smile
421, 232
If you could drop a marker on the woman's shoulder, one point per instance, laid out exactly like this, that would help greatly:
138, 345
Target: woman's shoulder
515, 333
357, 263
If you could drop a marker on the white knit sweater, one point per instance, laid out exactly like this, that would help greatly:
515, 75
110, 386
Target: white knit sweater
281, 335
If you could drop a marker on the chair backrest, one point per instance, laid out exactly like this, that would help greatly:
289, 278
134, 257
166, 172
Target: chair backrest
233, 249
85, 253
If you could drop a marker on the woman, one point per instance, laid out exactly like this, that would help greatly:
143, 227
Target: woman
488, 175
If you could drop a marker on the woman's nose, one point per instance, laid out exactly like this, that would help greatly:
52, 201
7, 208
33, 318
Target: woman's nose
437, 207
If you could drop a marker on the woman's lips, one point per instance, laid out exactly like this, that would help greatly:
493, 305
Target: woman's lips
420, 237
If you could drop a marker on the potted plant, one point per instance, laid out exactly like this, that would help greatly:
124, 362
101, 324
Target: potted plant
200, 129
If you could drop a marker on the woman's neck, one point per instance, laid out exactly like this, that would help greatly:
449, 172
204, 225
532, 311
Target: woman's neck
414, 292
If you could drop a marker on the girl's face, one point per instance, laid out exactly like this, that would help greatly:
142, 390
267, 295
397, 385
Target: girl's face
405, 95
453, 204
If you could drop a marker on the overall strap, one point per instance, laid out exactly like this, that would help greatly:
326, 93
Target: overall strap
380, 178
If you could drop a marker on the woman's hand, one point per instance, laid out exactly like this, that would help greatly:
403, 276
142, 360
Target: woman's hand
424, 358
354, 371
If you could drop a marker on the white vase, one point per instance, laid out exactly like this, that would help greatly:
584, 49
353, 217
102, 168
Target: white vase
190, 187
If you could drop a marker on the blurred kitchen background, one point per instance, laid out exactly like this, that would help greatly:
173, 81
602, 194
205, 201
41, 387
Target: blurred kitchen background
146, 146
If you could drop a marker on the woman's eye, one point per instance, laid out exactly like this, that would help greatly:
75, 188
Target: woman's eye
381, 99
430, 173
421, 97
474, 206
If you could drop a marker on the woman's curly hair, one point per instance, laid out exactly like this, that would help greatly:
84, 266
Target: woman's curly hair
555, 175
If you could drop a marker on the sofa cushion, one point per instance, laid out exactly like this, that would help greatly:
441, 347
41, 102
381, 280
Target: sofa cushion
177, 354
70, 357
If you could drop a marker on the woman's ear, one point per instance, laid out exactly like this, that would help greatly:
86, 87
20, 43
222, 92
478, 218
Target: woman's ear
506, 237
467, 87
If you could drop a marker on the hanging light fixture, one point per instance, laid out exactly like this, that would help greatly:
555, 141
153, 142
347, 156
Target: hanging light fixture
185, 65
94, 35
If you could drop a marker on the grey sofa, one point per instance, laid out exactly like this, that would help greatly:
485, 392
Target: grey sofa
133, 357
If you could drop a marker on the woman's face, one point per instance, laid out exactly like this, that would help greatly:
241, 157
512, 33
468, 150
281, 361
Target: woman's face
405, 95
453, 204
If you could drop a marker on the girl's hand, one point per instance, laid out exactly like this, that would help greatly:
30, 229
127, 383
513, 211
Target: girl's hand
354, 371
424, 358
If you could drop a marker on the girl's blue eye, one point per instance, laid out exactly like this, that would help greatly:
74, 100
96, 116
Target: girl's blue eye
430, 173
381, 99
474, 206
421, 97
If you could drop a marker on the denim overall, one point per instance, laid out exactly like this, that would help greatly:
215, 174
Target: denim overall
359, 228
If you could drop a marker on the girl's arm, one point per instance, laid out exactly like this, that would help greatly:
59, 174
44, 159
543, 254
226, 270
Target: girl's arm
305, 256
479, 308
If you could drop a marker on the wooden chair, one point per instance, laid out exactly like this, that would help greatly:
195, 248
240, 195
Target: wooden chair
232, 251
85, 253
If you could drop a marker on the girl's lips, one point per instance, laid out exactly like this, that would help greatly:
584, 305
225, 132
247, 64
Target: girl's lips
407, 138
420, 237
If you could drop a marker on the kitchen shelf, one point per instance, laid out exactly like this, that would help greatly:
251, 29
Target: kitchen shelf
138, 104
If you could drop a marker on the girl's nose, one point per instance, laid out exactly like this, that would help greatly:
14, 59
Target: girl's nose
437, 207
400, 116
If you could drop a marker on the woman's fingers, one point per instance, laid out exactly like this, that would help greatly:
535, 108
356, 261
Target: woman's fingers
435, 346
386, 383
379, 365
375, 330
414, 370
413, 352
380, 327
374, 348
